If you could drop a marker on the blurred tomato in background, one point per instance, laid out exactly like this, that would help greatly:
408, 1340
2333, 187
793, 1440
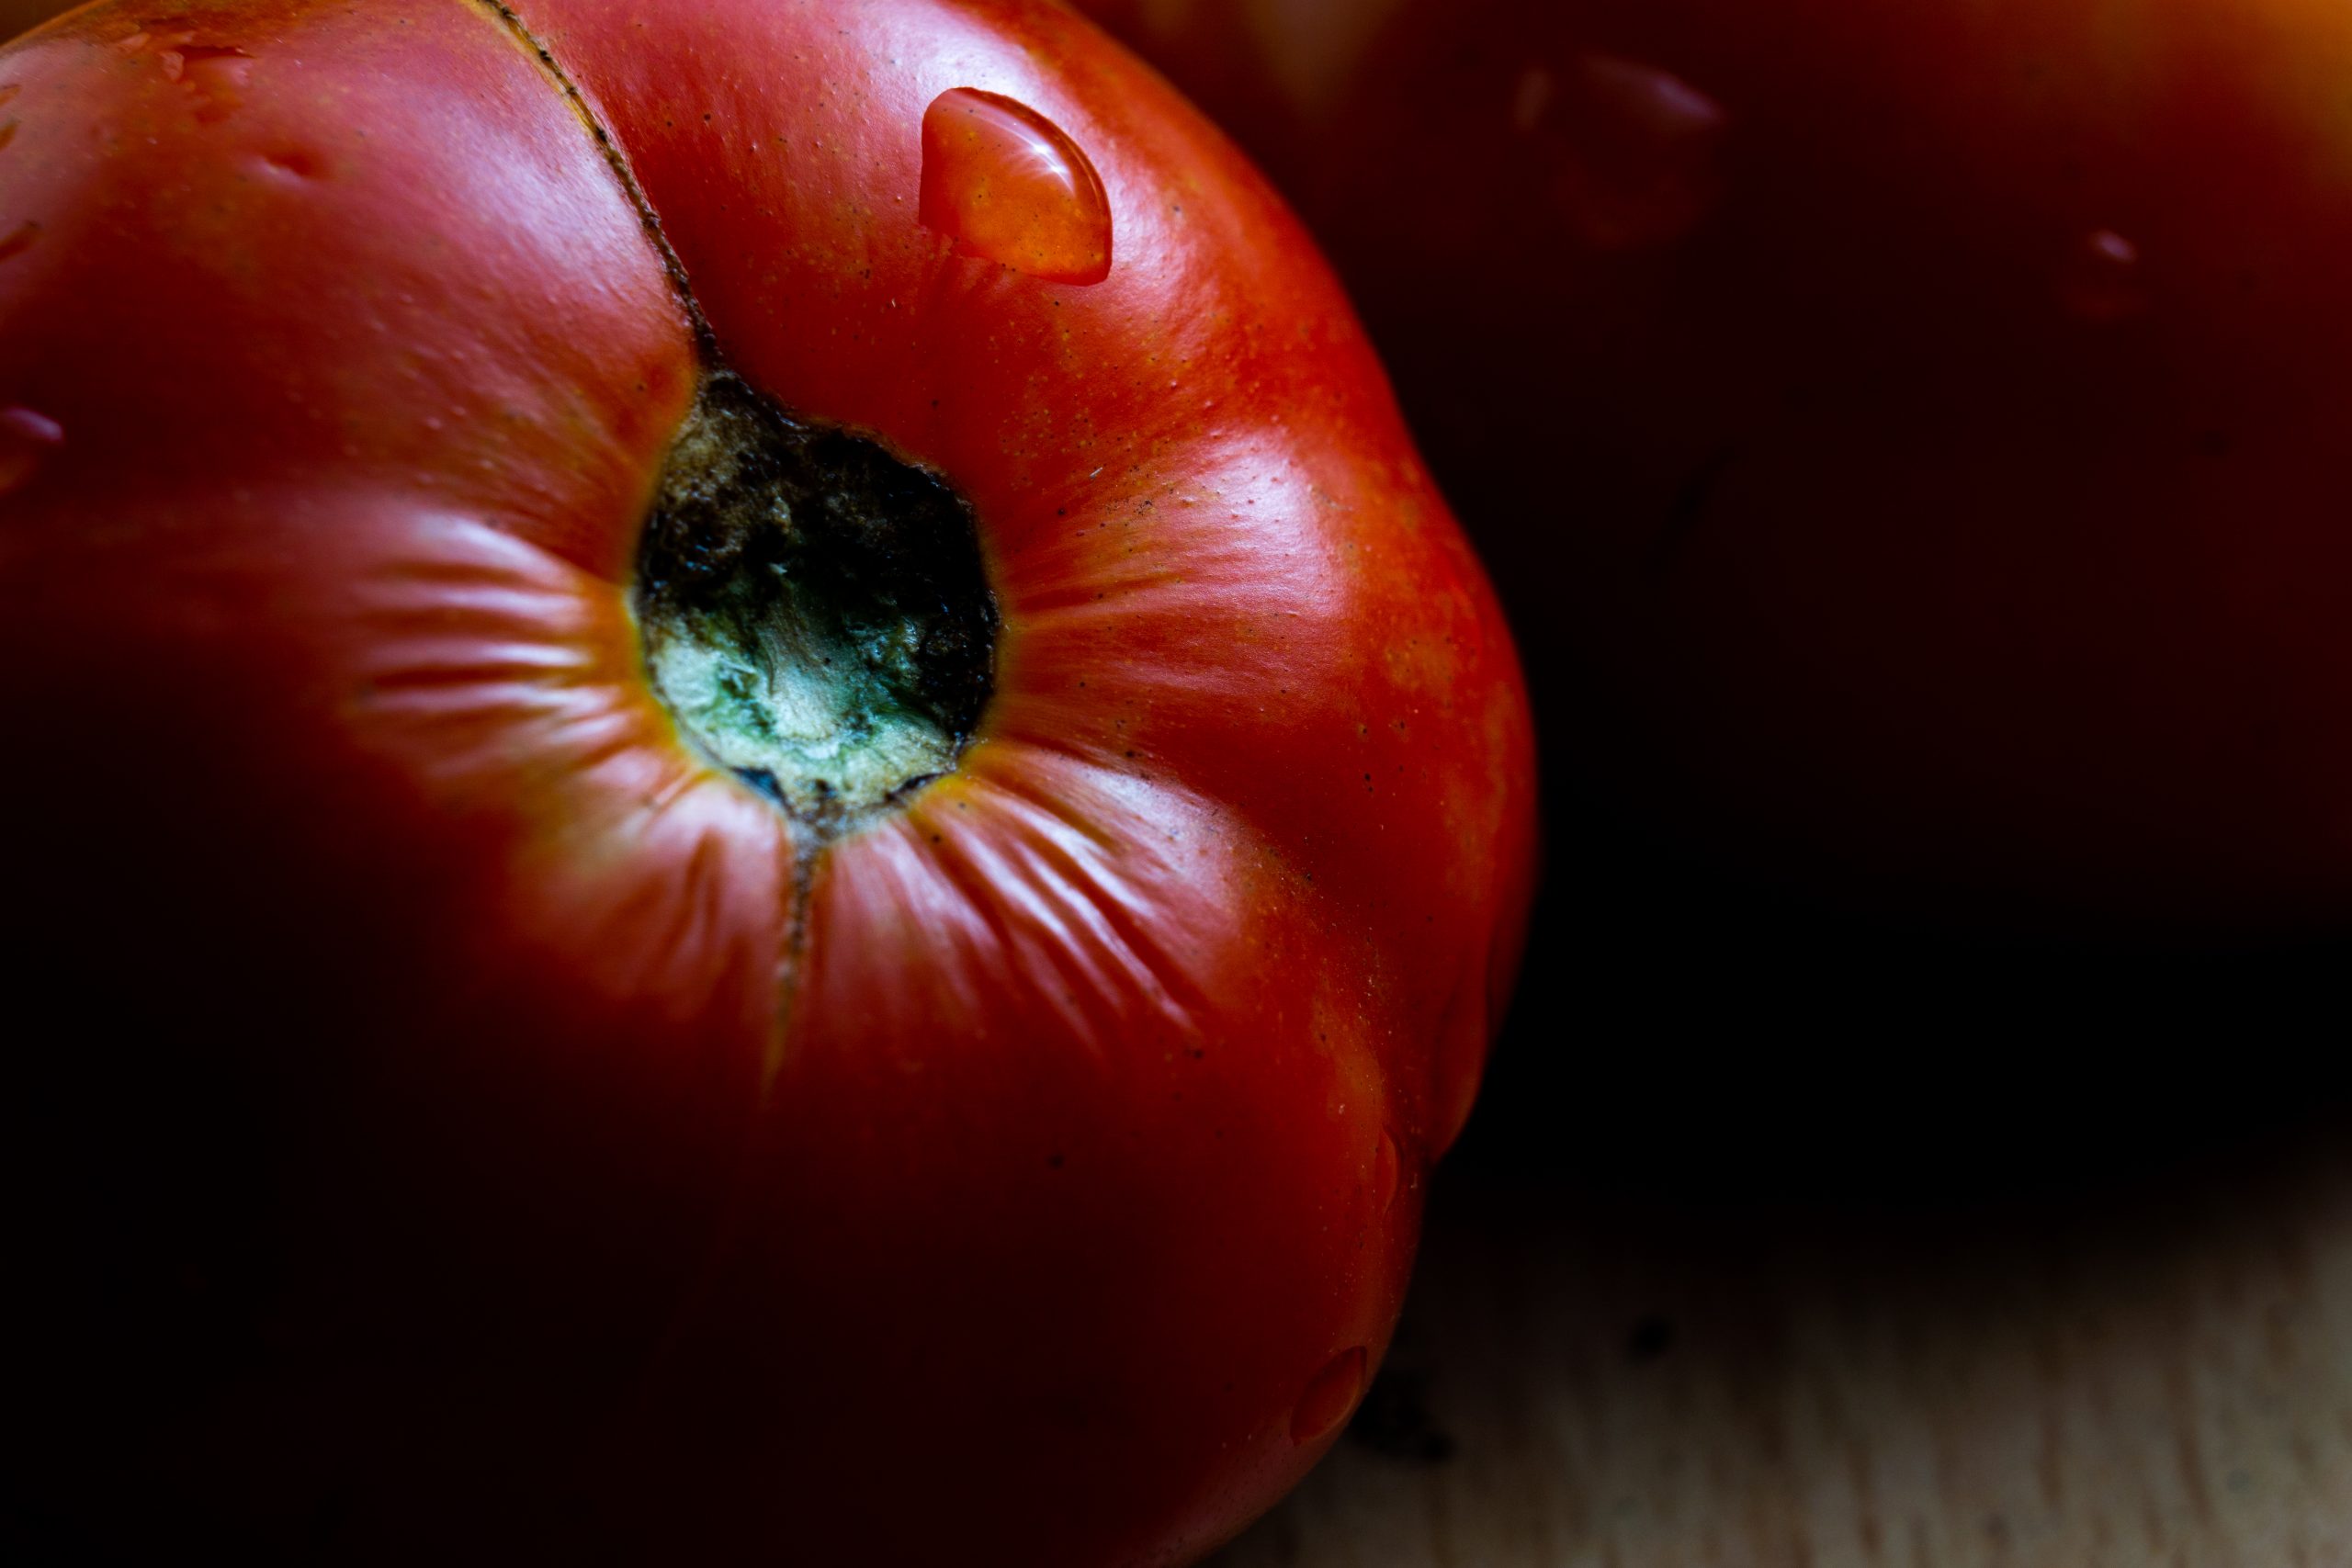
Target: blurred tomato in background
1905, 439
1907, 434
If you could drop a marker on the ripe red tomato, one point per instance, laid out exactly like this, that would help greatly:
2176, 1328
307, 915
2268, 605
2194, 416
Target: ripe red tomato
711, 879
1915, 422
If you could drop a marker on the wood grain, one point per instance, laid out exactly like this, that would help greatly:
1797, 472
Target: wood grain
2157, 1371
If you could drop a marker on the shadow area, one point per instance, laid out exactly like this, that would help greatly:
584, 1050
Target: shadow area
1787, 1240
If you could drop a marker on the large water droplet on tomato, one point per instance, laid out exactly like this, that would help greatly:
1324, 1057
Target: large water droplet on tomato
1331, 1393
25, 438
1006, 184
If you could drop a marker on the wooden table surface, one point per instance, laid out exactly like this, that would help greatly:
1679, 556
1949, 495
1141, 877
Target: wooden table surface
2154, 1370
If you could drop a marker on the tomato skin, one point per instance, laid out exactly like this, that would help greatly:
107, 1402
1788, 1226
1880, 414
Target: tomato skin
517, 1139
1947, 506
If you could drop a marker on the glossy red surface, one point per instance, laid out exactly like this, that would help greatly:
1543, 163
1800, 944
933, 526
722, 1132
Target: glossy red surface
482, 1130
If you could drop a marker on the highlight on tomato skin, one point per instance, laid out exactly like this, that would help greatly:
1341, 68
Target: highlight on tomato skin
727, 871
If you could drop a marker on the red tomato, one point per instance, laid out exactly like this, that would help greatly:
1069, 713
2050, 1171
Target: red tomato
1915, 422
894, 1012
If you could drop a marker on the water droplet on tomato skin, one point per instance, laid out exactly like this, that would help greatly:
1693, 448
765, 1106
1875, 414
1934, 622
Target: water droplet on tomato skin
1384, 1172
218, 78
2102, 281
1330, 1397
1007, 184
25, 438
215, 74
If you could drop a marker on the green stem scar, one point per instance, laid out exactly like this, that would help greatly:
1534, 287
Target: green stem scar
815, 611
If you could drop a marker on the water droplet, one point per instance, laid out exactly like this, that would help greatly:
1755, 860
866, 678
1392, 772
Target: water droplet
2102, 280
215, 73
1635, 149
217, 76
1331, 1393
1384, 1172
19, 239
295, 162
1008, 186
25, 438
158, 37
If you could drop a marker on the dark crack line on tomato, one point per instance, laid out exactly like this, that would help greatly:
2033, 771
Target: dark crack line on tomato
804, 846
706, 341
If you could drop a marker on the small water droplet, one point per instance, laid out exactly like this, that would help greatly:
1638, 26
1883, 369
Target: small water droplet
158, 37
214, 73
2102, 280
25, 438
1331, 1393
1634, 148
1384, 1171
295, 162
19, 239
1007, 184
217, 76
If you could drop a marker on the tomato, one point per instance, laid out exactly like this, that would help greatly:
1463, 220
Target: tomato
709, 877
1904, 432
